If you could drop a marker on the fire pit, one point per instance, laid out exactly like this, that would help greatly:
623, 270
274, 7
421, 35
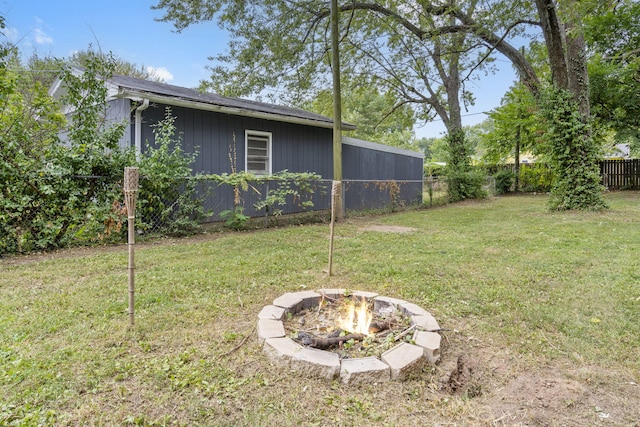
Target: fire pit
307, 353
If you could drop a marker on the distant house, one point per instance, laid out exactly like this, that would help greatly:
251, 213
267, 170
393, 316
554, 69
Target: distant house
268, 138
619, 151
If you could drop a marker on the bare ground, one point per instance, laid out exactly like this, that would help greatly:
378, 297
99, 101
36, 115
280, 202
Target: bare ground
518, 390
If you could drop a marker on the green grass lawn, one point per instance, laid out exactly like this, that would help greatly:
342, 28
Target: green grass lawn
525, 295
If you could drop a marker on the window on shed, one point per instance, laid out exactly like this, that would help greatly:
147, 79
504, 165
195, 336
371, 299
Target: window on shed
258, 152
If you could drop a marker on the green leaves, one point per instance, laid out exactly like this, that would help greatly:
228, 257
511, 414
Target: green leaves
168, 201
514, 122
463, 183
379, 116
290, 189
51, 192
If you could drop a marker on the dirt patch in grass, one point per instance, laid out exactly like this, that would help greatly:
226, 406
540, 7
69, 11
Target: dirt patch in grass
514, 390
542, 398
390, 229
551, 395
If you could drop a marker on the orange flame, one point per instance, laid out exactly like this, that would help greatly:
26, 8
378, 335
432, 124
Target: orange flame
357, 319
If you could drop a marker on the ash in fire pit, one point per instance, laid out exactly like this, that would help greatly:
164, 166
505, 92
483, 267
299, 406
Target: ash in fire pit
359, 336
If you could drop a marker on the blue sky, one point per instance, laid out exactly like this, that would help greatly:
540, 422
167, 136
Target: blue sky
128, 29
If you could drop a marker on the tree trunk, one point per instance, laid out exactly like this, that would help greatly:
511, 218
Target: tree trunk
553, 31
578, 83
573, 152
567, 52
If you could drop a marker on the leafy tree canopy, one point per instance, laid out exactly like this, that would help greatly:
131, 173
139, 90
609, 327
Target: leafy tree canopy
120, 66
614, 69
373, 113
417, 50
514, 122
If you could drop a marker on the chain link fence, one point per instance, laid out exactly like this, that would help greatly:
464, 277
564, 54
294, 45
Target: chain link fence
99, 215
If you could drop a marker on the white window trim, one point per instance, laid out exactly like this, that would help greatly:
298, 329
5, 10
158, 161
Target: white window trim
268, 135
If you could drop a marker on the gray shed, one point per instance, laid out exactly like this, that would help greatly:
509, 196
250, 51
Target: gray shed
268, 138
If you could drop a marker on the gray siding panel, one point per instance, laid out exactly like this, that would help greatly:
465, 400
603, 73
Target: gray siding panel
362, 164
297, 148
118, 110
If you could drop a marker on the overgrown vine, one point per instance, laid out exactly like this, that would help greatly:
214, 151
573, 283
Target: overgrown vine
573, 155
464, 182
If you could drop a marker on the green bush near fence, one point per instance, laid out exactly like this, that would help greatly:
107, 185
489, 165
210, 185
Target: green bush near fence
58, 194
535, 178
168, 201
54, 193
504, 181
532, 178
466, 185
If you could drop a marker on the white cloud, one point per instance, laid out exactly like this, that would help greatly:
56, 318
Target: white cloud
161, 73
40, 37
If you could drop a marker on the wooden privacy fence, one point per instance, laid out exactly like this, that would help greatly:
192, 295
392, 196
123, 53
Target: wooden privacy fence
616, 174
620, 174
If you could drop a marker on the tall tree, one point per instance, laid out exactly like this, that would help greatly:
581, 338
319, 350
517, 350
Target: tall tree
564, 37
573, 152
278, 43
514, 126
424, 53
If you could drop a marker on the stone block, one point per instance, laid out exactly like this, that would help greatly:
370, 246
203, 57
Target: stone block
403, 360
430, 342
364, 370
293, 302
365, 294
309, 299
280, 350
271, 312
268, 328
332, 293
411, 309
426, 323
316, 363
386, 304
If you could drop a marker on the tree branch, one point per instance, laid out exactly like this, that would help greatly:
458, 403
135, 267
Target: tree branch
467, 24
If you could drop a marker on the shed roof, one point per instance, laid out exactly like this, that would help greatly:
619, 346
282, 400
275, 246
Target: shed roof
133, 88
138, 89
381, 147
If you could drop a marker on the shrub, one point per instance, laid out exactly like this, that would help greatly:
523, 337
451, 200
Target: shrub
504, 181
466, 185
234, 218
168, 201
464, 182
536, 178
54, 194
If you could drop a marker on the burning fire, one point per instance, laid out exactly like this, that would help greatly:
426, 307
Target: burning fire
357, 319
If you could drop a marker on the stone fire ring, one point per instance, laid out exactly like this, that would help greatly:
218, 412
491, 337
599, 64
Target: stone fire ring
396, 363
